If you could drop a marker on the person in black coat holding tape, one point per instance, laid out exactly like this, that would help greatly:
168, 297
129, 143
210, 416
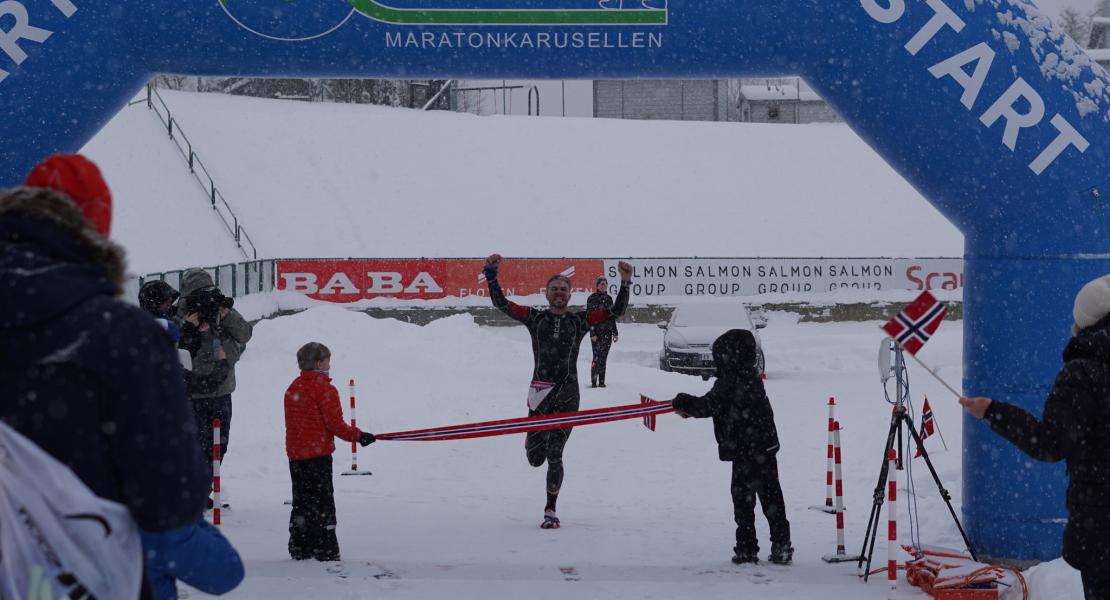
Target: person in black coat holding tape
1075, 428
744, 426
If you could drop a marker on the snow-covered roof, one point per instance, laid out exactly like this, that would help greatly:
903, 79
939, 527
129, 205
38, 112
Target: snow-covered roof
776, 92
1099, 54
1100, 20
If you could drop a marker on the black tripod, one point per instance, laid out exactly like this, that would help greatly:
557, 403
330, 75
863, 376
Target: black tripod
899, 416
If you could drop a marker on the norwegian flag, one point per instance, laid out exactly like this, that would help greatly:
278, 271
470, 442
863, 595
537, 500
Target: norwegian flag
928, 425
649, 419
912, 327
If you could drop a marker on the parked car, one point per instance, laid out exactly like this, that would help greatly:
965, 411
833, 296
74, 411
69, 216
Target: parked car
688, 343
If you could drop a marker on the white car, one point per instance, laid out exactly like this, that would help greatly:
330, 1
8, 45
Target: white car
688, 343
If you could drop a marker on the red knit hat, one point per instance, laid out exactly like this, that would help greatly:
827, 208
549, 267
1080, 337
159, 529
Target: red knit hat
80, 179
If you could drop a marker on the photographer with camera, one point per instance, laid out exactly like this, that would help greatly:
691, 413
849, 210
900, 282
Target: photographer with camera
216, 331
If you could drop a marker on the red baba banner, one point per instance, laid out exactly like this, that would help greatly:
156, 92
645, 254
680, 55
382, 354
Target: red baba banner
352, 280
336, 280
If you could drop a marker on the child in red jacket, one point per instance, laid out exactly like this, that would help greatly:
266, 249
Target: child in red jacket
313, 418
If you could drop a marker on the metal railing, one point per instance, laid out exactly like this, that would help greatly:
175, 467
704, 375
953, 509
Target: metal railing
197, 168
235, 280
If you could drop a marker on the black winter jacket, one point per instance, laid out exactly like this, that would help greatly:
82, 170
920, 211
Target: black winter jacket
743, 421
93, 381
602, 300
1075, 428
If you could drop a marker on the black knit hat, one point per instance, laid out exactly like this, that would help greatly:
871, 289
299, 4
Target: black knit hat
154, 293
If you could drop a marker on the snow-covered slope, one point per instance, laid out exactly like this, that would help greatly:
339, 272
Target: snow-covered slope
325, 180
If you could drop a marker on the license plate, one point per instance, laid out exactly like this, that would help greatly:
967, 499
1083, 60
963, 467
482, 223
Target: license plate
707, 358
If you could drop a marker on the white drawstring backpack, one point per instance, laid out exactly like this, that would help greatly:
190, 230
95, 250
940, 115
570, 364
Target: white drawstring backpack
57, 538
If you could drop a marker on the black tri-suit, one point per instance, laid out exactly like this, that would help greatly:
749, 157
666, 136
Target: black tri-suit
555, 343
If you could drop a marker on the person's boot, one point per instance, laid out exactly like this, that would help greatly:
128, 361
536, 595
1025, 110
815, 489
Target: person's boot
781, 553
745, 558
746, 555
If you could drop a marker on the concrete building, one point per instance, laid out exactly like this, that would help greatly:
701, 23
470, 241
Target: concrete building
781, 101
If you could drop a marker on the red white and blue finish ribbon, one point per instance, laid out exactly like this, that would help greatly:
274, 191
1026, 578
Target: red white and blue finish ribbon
647, 409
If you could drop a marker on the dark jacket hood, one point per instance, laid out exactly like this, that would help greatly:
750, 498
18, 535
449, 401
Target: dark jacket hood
1092, 343
734, 353
43, 273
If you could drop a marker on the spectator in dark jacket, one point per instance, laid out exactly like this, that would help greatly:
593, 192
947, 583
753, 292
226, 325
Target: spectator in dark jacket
220, 329
313, 419
157, 298
602, 335
92, 380
744, 426
1076, 428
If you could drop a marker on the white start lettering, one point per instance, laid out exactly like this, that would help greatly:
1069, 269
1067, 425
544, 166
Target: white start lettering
21, 29
1020, 106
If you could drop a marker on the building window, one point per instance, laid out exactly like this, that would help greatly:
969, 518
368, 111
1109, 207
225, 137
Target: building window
773, 112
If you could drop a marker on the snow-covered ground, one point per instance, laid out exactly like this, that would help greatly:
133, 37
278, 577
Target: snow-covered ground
646, 515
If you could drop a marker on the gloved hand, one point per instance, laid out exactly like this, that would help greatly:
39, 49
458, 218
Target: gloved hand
492, 264
365, 439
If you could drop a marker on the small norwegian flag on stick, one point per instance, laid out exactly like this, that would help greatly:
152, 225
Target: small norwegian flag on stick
929, 426
915, 325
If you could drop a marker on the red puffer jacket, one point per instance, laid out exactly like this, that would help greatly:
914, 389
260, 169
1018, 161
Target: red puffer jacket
314, 417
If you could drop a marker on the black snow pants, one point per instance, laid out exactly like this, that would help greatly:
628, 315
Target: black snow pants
206, 410
751, 479
601, 355
312, 520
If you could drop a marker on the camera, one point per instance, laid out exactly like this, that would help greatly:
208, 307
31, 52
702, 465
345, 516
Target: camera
207, 304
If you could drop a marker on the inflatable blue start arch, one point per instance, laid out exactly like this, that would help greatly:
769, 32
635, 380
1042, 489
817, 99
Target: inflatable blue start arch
985, 106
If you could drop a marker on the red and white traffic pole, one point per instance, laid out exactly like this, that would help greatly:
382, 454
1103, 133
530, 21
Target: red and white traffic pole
354, 444
216, 472
892, 531
829, 461
828, 506
840, 549
841, 554
354, 423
